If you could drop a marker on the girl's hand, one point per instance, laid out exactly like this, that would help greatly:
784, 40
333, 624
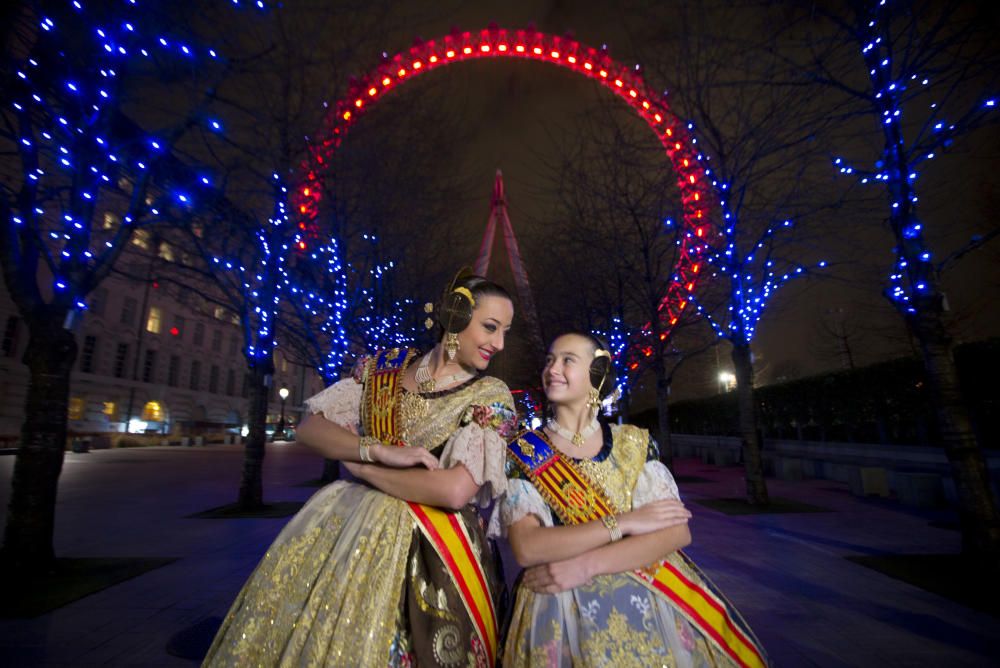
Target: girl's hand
555, 577
403, 457
356, 469
653, 517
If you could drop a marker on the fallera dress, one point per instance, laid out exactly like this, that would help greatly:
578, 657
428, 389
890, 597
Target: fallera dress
617, 620
353, 579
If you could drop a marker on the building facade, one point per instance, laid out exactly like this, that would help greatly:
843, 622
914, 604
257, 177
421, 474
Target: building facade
150, 360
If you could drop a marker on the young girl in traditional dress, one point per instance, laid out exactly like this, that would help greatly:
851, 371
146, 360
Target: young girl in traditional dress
393, 569
597, 522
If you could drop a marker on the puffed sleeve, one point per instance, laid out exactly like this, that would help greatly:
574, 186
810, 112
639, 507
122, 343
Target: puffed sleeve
654, 484
521, 500
341, 402
480, 443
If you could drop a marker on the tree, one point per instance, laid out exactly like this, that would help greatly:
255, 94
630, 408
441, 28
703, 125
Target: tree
617, 206
759, 143
323, 290
88, 176
924, 67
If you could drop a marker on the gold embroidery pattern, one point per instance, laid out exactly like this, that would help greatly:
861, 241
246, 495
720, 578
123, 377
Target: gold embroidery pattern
431, 600
614, 620
623, 644
441, 416
297, 609
618, 474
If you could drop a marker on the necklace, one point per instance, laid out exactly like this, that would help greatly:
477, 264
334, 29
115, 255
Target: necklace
576, 438
427, 383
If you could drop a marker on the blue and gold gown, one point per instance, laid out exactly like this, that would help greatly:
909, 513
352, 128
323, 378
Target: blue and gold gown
614, 620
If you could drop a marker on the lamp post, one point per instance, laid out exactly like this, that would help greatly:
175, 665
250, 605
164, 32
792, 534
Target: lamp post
727, 381
283, 393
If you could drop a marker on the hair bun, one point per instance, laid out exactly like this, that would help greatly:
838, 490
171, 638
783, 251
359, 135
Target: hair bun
602, 370
455, 310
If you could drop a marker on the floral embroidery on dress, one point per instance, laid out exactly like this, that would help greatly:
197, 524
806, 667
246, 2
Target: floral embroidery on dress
589, 611
684, 631
496, 416
477, 657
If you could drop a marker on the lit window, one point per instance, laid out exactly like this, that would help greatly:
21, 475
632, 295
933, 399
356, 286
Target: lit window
111, 410
75, 408
166, 252
141, 238
154, 320
152, 412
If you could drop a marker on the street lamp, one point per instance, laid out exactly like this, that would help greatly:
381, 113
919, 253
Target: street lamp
727, 381
283, 393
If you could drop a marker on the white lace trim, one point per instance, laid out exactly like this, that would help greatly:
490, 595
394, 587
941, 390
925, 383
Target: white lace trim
340, 403
654, 484
521, 500
482, 452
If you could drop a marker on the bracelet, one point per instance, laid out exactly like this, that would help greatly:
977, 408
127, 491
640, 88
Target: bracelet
612, 524
364, 448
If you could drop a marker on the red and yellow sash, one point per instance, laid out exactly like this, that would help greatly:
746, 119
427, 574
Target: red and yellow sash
575, 499
445, 531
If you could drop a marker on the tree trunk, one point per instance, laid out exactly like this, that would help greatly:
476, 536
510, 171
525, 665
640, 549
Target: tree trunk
751, 441
251, 484
28, 535
663, 417
978, 515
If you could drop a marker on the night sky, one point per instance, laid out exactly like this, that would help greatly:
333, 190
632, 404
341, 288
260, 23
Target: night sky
506, 114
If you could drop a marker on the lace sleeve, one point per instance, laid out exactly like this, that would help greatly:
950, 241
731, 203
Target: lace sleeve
481, 450
480, 443
521, 500
340, 403
655, 483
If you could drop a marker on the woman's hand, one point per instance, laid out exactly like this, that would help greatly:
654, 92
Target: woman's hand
653, 517
556, 576
403, 457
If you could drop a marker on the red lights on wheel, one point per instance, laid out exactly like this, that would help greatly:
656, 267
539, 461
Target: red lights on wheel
596, 64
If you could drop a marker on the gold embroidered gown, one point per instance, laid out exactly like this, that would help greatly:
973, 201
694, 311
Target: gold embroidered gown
614, 620
351, 580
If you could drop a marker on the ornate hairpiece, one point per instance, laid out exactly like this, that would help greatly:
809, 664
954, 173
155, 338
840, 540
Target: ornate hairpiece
468, 295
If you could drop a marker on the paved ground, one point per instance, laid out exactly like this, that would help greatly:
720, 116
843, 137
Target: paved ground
786, 573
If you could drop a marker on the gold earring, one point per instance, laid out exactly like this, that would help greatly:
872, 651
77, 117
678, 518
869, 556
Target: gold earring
594, 399
451, 345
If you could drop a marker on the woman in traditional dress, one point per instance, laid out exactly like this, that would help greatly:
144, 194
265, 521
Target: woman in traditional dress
597, 522
394, 569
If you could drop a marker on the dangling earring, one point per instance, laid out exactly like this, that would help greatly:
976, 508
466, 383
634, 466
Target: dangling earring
594, 399
451, 345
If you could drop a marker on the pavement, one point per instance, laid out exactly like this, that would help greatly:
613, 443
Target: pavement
787, 573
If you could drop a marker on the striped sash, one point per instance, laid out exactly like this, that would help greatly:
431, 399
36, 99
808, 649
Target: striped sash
444, 530
576, 499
